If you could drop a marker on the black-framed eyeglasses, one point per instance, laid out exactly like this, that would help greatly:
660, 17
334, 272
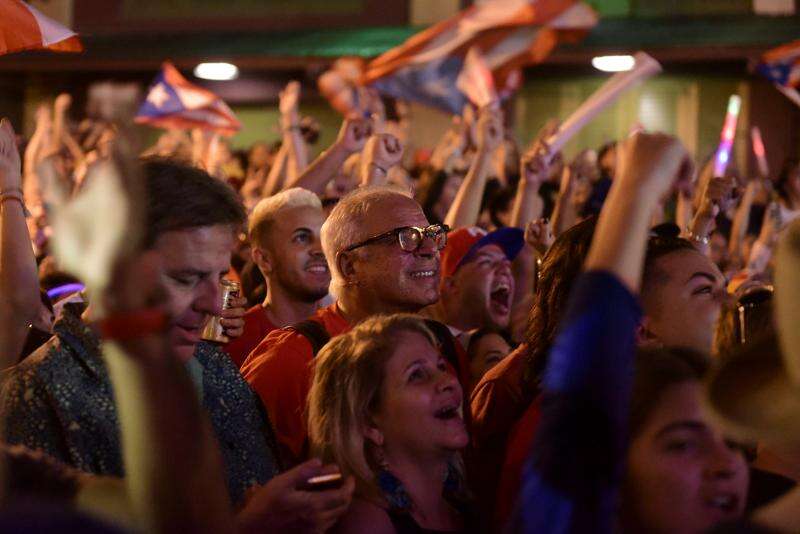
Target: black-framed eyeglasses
410, 238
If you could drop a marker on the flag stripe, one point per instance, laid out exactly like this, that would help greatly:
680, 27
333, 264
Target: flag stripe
19, 28
51, 32
23, 27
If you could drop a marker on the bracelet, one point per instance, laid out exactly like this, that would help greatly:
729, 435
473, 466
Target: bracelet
293, 127
691, 236
131, 325
15, 195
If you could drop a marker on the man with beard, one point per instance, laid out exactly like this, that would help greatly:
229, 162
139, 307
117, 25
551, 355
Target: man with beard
284, 235
384, 258
477, 286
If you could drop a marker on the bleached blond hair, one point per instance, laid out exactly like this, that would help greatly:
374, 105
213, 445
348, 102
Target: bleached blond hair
268, 209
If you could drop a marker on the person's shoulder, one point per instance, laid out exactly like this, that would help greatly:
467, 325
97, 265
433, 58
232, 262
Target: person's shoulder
52, 355
504, 374
364, 517
279, 347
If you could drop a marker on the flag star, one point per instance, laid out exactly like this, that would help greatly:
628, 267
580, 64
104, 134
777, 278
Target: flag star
158, 95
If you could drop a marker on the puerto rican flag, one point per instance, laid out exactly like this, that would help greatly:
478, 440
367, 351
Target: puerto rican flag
782, 67
508, 34
174, 102
23, 27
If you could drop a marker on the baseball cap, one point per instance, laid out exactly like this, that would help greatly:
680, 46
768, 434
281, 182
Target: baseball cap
463, 243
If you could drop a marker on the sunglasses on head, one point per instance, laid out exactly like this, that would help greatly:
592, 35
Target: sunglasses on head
410, 238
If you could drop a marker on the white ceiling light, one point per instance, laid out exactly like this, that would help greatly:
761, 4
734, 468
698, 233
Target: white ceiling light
216, 71
613, 63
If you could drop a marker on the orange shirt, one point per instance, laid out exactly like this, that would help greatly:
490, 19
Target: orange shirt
279, 370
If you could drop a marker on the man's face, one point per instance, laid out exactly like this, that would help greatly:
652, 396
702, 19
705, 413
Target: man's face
480, 291
683, 301
386, 274
295, 258
193, 261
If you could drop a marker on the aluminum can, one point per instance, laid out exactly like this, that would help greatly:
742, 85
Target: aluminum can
213, 330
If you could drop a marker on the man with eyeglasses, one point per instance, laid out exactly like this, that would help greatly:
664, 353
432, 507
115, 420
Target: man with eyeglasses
384, 258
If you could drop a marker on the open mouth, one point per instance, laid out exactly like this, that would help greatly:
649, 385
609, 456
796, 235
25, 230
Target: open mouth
423, 274
448, 412
317, 268
500, 297
727, 503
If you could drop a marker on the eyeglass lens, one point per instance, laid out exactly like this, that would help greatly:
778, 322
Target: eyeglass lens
411, 238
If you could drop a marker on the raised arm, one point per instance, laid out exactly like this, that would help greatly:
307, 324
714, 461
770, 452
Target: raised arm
572, 479
296, 150
466, 207
649, 166
741, 220
716, 191
19, 285
564, 215
352, 137
382, 152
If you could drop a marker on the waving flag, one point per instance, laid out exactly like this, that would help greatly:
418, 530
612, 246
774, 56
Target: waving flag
174, 102
475, 80
782, 67
510, 34
23, 27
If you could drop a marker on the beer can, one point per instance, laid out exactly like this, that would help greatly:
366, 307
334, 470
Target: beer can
213, 330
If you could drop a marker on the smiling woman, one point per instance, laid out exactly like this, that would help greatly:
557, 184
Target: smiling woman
386, 408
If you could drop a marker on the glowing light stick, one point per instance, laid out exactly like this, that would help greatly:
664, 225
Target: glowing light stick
728, 133
758, 150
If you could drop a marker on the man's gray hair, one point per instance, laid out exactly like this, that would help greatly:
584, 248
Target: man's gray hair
267, 210
342, 228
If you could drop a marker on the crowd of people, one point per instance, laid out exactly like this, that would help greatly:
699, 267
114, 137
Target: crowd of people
479, 337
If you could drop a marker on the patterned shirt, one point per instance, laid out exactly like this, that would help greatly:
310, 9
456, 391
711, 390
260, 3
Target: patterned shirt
60, 400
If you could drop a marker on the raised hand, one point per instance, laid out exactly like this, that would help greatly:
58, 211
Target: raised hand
289, 98
62, 103
539, 235
652, 162
10, 166
717, 190
353, 134
489, 130
535, 164
383, 150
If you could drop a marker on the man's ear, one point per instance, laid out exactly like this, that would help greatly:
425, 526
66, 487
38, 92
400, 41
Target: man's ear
644, 336
263, 259
447, 285
345, 263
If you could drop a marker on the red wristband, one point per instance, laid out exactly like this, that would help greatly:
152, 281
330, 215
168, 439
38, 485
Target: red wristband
132, 325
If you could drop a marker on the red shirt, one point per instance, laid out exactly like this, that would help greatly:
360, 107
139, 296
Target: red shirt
496, 404
279, 370
520, 442
256, 327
